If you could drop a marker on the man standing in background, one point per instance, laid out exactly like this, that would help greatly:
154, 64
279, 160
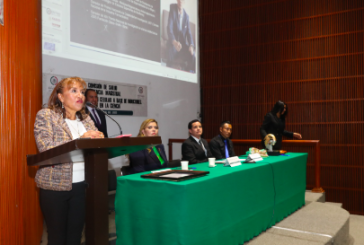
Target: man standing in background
96, 116
180, 41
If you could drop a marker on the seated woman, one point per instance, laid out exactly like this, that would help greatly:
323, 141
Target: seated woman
275, 123
151, 158
62, 186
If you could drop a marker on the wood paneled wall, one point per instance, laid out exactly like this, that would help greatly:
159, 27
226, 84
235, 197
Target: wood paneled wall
20, 99
310, 54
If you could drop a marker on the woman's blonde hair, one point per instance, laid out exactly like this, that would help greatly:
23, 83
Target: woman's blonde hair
144, 125
56, 105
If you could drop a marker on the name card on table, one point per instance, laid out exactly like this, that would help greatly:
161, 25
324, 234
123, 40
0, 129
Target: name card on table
232, 161
256, 157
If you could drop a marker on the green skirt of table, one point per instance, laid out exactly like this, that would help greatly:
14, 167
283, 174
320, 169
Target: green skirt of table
228, 206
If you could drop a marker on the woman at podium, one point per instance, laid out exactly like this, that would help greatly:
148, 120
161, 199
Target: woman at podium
275, 123
62, 186
150, 158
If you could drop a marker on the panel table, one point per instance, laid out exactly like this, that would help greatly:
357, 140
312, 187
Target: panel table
228, 206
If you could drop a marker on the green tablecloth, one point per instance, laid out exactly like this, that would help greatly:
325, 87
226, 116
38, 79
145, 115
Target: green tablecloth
228, 206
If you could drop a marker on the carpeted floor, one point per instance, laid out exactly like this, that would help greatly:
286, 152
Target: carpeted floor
112, 232
356, 230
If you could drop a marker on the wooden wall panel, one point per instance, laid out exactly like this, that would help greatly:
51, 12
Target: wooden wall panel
309, 54
20, 99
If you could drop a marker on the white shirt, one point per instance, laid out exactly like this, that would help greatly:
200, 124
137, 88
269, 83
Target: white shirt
77, 129
180, 15
199, 141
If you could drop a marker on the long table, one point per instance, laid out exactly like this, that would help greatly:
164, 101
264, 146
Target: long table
230, 205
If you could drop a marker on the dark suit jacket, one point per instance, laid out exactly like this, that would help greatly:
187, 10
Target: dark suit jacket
274, 125
193, 152
174, 33
103, 127
146, 160
217, 147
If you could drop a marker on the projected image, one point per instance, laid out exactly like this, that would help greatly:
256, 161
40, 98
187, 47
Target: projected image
1, 12
154, 37
124, 26
178, 37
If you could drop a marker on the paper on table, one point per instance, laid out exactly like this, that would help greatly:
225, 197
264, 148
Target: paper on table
122, 136
175, 175
223, 161
156, 171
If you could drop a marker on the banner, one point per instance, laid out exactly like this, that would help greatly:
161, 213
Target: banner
114, 98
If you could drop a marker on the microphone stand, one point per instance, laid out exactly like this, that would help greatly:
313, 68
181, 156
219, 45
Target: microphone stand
97, 108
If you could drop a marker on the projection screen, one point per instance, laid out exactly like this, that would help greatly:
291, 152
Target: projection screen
134, 35
128, 42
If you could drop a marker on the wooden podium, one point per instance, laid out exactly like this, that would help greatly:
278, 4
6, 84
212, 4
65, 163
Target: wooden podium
95, 153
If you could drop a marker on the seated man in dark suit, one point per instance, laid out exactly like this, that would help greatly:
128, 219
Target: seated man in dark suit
195, 149
221, 146
96, 116
180, 41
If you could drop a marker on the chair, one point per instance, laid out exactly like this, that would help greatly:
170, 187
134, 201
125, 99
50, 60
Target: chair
111, 189
174, 163
112, 186
125, 170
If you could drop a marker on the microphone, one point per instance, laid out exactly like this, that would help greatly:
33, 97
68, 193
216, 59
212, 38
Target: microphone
97, 108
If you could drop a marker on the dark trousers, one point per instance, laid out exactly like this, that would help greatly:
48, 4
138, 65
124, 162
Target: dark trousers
183, 55
64, 214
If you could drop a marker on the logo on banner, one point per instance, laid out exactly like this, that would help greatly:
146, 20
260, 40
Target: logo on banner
140, 90
53, 13
54, 80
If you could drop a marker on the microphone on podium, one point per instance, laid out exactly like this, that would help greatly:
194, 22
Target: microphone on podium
97, 108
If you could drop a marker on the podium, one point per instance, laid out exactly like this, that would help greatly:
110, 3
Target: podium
95, 153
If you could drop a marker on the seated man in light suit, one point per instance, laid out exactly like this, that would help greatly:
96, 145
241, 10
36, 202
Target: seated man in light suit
180, 41
96, 116
221, 146
195, 149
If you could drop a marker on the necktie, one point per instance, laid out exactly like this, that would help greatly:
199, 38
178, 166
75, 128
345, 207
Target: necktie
226, 149
96, 118
203, 147
158, 155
